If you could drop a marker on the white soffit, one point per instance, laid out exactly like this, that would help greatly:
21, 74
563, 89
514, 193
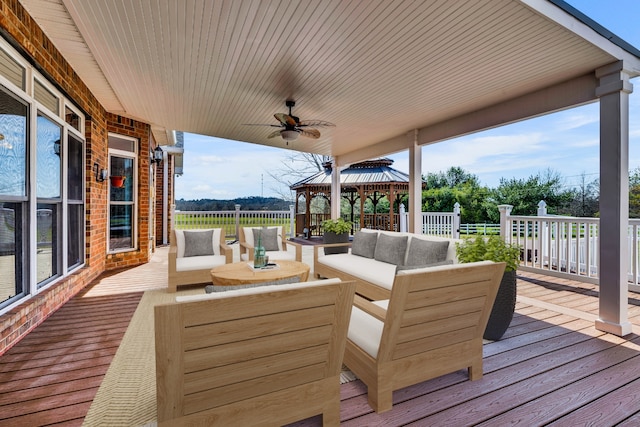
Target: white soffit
376, 69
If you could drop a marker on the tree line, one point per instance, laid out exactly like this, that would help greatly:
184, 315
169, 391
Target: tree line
246, 203
478, 203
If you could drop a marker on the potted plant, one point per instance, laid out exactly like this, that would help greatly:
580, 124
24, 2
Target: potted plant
493, 248
117, 181
336, 231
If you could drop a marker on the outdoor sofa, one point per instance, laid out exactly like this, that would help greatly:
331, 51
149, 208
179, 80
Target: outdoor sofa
374, 258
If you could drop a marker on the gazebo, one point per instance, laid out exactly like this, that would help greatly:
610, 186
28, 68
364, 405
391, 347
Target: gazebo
371, 179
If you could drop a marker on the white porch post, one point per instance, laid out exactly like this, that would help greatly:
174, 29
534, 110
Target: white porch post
335, 190
613, 91
505, 226
415, 186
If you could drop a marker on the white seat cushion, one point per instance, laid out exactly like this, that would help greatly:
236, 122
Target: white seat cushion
368, 269
274, 255
365, 331
199, 262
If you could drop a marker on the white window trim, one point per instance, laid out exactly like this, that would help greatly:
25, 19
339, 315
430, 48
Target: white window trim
134, 225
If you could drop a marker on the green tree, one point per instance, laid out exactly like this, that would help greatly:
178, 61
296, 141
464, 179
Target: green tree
634, 193
452, 177
445, 189
525, 194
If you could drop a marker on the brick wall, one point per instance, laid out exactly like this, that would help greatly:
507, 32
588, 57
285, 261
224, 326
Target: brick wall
140, 131
23, 33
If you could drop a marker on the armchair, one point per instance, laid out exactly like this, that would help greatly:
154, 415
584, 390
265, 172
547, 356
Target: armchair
192, 256
277, 248
269, 355
431, 325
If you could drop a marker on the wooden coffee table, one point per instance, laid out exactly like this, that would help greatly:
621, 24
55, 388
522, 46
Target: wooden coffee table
243, 273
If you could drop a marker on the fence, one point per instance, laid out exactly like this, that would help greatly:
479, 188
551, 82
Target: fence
444, 224
565, 246
482, 229
231, 221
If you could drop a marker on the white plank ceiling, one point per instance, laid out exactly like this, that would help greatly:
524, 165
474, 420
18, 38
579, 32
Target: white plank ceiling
376, 69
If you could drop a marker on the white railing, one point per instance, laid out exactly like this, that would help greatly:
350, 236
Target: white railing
444, 224
231, 221
557, 244
567, 246
480, 228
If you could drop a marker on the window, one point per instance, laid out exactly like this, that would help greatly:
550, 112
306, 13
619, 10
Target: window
11, 69
13, 197
75, 202
42, 157
122, 193
49, 196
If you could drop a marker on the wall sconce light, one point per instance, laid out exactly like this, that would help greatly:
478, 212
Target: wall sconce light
158, 154
56, 147
101, 174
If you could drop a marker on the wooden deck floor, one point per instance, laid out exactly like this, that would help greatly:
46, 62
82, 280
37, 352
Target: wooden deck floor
551, 368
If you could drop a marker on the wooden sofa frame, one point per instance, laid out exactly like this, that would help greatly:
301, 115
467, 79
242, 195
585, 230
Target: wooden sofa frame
433, 325
179, 278
263, 356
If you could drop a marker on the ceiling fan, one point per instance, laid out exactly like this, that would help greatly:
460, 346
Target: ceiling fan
291, 126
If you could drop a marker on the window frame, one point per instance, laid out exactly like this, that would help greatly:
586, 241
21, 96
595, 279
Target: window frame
133, 155
29, 202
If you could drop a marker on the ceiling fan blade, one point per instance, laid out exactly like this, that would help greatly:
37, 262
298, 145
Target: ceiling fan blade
285, 119
310, 133
261, 124
315, 123
274, 134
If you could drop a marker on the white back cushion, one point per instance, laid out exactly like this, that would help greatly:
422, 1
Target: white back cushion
215, 240
248, 235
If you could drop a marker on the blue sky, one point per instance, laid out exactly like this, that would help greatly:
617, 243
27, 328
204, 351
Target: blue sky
565, 142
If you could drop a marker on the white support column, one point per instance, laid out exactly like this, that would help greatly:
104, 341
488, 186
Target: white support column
335, 190
613, 91
415, 186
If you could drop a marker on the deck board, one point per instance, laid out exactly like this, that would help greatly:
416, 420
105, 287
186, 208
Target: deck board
551, 366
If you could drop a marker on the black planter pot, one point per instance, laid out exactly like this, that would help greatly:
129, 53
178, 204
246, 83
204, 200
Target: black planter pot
503, 308
330, 237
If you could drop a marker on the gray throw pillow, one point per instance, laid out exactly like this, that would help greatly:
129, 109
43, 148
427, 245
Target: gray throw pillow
268, 236
364, 244
198, 243
391, 249
422, 252
415, 267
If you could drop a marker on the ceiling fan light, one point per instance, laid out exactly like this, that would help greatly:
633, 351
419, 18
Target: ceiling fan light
289, 135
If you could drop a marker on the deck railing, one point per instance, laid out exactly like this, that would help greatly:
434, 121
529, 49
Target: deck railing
443, 224
567, 246
231, 221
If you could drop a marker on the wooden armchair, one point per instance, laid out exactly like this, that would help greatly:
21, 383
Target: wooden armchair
270, 355
431, 325
192, 269
247, 245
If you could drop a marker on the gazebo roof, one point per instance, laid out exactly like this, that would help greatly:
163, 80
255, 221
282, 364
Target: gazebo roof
378, 171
